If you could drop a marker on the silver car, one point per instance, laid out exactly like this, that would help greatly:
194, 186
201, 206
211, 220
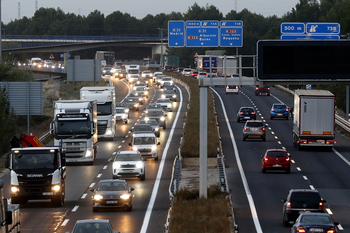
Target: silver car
166, 104
254, 129
128, 164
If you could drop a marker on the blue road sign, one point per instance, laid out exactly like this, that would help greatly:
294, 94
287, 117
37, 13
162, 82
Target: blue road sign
231, 33
291, 31
176, 33
202, 33
62, 55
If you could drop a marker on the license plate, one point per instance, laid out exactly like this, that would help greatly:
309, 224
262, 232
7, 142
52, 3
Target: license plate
246, 117
47, 193
111, 202
316, 230
277, 165
279, 114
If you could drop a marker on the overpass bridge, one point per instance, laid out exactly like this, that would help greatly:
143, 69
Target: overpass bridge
65, 44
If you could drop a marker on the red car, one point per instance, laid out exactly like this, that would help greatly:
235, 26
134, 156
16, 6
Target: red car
194, 74
276, 159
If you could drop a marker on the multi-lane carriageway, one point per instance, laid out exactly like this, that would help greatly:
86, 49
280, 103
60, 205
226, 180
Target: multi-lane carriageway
255, 196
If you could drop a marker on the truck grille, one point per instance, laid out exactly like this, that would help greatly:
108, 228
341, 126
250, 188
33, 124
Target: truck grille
101, 129
74, 149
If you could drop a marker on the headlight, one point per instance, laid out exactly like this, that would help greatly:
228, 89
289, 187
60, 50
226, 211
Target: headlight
136, 105
56, 188
146, 92
174, 96
139, 165
123, 116
163, 96
156, 129
88, 153
162, 118
146, 118
127, 110
134, 148
98, 197
169, 106
143, 75
103, 71
14, 189
140, 99
125, 196
108, 132
116, 165
154, 147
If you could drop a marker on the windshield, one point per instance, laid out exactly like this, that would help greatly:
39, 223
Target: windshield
139, 128
120, 110
92, 227
72, 127
133, 72
29, 160
132, 100
128, 157
155, 113
104, 109
144, 141
163, 101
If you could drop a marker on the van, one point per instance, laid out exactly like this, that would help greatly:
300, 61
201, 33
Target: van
146, 144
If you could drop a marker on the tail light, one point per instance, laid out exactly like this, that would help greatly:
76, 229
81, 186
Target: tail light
236, 87
320, 206
245, 128
268, 88
272, 110
300, 229
331, 230
257, 88
288, 206
263, 128
253, 113
303, 142
241, 113
227, 87
287, 110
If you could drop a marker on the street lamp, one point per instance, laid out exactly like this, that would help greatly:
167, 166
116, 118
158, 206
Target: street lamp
161, 46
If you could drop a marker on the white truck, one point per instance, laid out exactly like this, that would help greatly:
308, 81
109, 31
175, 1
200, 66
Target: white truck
226, 66
314, 119
74, 128
9, 217
106, 103
37, 173
132, 73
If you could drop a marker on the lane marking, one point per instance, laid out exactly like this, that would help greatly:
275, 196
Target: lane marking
84, 196
99, 175
75, 208
64, 223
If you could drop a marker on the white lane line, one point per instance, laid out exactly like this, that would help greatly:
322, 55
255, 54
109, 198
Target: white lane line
84, 196
305, 178
342, 157
64, 223
298, 168
160, 171
241, 171
312, 187
75, 208
99, 175
92, 185
329, 211
105, 167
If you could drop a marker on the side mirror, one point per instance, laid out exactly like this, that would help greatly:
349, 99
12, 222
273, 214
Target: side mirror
8, 217
261, 156
92, 190
283, 200
131, 189
7, 162
130, 144
158, 143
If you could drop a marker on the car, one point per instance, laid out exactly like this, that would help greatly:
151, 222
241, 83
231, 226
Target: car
146, 144
137, 96
146, 74
111, 194
279, 110
246, 113
232, 89
194, 74
115, 71
255, 129
132, 103
158, 115
170, 94
158, 79
156, 74
275, 159
168, 68
179, 70
166, 80
153, 106
93, 226
141, 91
128, 163
154, 124
166, 104
139, 84
301, 200
168, 86
314, 222
121, 114
107, 70
142, 128
187, 71
262, 90
201, 75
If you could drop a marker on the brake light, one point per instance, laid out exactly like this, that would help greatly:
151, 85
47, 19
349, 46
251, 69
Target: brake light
288, 206
263, 128
331, 230
240, 112
253, 113
300, 229
287, 109
236, 87
320, 206
257, 88
303, 142
272, 110
268, 88
245, 128
226, 87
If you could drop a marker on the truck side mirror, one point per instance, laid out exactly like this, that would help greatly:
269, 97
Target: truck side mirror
7, 162
8, 217
52, 128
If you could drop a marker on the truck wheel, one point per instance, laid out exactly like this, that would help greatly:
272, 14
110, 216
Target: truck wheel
164, 126
58, 201
143, 177
129, 208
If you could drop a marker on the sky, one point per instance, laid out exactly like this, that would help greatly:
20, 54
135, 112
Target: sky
11, 9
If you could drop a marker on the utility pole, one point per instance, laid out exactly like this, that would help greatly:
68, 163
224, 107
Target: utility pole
0, 35
19, 11
161, 47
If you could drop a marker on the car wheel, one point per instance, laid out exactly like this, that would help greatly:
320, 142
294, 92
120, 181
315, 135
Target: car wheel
238, 120
125, 122
263, 170
264, 138
285, 223
271, 117
288, 170
156, 158
129, 208
115, 177
287, 118
143, 177
244, 138
164, 126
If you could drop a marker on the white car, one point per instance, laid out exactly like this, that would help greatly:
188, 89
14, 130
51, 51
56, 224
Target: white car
121, 114
155, 74
165, 103
146, 144
166, 81
139, 84
146, 74
232, 89
201, 75
128, 164
187, 72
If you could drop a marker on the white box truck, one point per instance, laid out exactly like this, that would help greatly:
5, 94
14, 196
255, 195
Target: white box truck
226, 66
132, 73
74, 128
314, 118
105, 96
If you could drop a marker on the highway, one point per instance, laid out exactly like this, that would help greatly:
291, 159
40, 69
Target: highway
151, 197
256, 196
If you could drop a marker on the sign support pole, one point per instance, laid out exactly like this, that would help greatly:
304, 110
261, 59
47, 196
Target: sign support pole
203, 141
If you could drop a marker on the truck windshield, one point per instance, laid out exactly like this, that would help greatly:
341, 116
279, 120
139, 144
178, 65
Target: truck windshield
34, 160
104, 109
133, 71
69, 127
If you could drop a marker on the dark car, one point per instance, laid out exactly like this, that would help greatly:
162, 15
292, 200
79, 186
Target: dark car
168, 86
158, 115
107, 70
93, 226
142, 128
301, 200
246, 113
179, 70
112, 194
168, 68
275, 159
279, 110
194, 74
254, 129
314, 222
263, 90
170, 94
132, 103
154, 124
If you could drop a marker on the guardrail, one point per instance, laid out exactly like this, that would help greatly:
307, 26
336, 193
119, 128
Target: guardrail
340, 121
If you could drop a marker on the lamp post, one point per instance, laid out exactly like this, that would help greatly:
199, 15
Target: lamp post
161, 47
0, 35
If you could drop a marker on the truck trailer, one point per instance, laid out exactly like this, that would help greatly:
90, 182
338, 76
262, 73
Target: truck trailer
105, 97
37, 173
107, 56
226, 66
74, 128
314, 119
